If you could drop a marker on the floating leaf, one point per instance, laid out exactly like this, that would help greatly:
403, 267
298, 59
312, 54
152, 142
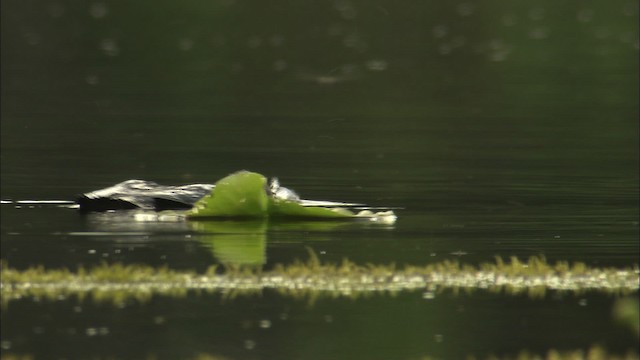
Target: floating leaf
244, 195
241, 194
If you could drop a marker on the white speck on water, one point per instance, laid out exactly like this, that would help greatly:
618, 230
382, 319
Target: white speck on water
5, 345
91, 331
438, 338
582, 302
265, 324
249, 344
376, 65
91, 251
109, 47
428, 295
328, 319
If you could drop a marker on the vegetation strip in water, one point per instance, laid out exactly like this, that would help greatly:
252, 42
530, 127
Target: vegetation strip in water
312, 278
595, 352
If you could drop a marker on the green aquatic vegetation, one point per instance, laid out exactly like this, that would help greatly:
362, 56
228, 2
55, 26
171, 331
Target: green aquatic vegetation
313, 278
595, 352
627, 312
243, 195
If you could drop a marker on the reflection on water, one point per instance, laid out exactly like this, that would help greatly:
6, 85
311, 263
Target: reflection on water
234, 243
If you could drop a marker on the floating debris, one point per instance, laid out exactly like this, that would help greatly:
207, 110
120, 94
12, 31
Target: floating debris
313, 279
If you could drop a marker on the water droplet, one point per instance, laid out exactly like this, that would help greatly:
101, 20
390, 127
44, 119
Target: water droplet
109, 47
265, 324
249, 344
376, 65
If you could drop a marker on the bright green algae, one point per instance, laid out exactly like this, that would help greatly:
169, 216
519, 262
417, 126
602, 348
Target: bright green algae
312, 279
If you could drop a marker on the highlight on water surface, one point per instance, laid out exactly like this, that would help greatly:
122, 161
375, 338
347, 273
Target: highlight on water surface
312, 279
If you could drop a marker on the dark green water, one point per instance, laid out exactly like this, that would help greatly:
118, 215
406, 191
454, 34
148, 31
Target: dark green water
500, 128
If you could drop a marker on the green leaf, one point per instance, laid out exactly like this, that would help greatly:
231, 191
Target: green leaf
244, 195
241, 194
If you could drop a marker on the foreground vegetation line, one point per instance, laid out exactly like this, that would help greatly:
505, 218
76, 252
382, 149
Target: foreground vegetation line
534, 276
595, 352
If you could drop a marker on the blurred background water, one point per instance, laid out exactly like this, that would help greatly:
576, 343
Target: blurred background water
500, 128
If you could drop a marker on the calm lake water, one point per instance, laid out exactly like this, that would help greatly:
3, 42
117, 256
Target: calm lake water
496, 130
